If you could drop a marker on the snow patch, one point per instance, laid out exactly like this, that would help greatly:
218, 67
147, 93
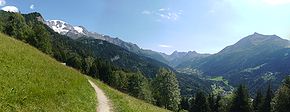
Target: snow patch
10, 9
59, 30
58, 26
79, 29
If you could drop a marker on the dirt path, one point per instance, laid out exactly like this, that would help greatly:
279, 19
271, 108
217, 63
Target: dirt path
103, 102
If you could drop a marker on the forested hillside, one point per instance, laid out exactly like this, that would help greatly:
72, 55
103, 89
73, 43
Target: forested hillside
255, 60
115, 66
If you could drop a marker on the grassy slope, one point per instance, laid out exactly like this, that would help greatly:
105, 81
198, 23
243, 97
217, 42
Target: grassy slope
125, 103
32, 81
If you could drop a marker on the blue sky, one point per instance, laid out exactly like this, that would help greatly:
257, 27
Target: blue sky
205, 26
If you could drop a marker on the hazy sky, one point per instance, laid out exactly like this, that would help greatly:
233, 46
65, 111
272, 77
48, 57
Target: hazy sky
206, 26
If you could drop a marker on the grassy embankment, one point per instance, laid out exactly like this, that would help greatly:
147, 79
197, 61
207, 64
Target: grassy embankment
32, 81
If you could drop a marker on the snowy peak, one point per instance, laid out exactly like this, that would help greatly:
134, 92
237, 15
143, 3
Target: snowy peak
76, 32
64, 28
59, 26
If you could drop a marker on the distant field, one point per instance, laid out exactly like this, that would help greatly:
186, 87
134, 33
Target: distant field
220, 78
125, 103
32, 81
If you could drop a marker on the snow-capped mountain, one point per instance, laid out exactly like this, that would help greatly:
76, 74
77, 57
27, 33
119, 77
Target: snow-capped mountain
64, 28
76, 32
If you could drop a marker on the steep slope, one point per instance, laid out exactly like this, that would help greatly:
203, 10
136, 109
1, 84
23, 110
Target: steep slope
32, 81
255, 60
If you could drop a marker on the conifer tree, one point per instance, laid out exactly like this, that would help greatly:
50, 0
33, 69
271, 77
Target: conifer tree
282, 98
167, 92
257, 101
105, 71
211, 102
240, 102
217, 105
138, 87
41, 38
184, 104
266, 105
200, 103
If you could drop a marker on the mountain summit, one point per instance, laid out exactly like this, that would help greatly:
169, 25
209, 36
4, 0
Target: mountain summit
257, 41
64, 28
253, 60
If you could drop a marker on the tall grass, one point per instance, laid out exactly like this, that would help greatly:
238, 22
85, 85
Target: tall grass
32, 81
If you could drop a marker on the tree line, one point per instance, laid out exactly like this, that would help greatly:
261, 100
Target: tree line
240, 101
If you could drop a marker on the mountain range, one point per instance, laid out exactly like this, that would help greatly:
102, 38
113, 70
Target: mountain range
256, 60
123, 54
76, 32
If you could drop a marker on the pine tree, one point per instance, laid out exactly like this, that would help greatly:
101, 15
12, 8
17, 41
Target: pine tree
120, 80
211, 102
200, 103
282, 98
241, 100
75, 60
41, 38
257, 101
94, 69
266, 105
217, 105
138, 87
191, 104
167, 92
88, 63
184, 104
105, 71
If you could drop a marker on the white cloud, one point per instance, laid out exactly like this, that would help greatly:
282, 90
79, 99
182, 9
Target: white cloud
31, 6
2, 2
146, 12
161, 9
163, 13
10, 9
164, 46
